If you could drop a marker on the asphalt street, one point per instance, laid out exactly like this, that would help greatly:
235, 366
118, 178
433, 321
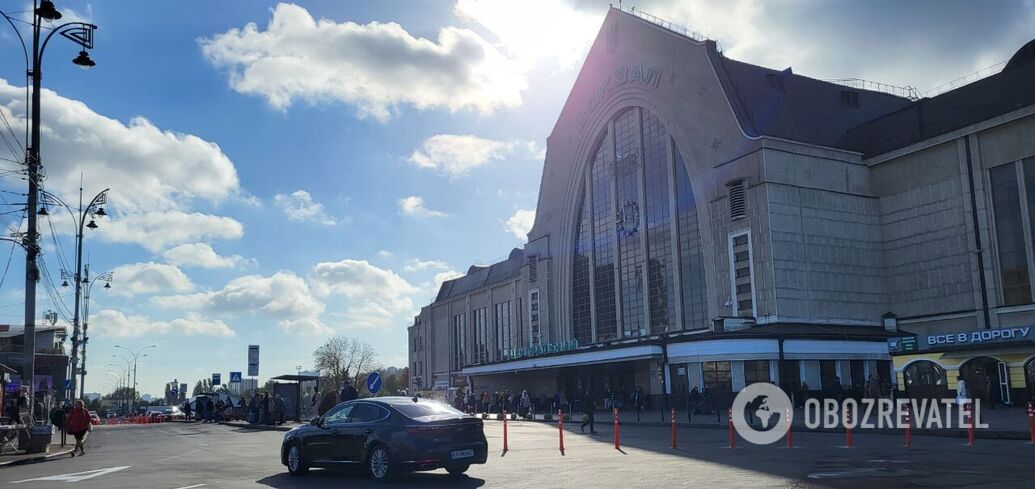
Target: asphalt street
180, 456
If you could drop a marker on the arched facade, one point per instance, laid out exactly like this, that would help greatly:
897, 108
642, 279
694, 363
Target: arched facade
925, 379
637, 266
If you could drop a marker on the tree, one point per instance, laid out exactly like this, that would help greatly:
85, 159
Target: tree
342, 358
203, 385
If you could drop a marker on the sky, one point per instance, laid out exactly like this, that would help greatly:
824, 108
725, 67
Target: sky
284, 172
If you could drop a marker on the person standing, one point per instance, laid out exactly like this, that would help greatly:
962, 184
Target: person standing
79, 426
327, 402
961, 391
988, 388
281, 408
186, 411
348, 392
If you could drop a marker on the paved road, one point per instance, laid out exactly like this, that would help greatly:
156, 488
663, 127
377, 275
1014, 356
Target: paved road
175, 456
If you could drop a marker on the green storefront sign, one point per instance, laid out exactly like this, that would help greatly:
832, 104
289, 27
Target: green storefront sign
537, 350
902, 345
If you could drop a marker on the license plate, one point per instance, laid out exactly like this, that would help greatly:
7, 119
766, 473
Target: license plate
461, 454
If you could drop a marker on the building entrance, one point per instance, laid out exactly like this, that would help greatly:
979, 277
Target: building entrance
987, 379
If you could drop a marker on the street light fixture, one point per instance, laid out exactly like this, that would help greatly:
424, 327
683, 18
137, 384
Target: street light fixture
136, 356
80, 33
84, 61
87, 287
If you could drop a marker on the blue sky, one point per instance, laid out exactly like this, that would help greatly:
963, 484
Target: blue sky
321, 171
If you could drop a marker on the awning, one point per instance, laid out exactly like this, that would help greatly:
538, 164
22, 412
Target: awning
835, 350
581, 358
711, 350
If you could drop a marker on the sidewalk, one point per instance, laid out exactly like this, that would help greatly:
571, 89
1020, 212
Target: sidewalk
1003, 423
55, 450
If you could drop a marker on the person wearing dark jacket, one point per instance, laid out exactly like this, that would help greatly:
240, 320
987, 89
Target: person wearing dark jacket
588, 417
348, 392
328, 401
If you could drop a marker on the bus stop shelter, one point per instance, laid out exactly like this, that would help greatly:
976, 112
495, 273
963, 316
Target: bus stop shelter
290, 389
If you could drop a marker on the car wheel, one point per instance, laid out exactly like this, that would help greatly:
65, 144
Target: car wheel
379, 464
457, 470
296, 463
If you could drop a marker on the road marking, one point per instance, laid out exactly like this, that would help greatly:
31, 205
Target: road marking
191, 487
178, 456
76, 477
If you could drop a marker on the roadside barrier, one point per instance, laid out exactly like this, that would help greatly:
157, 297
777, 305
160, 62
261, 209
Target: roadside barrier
673, 428
1031, 422
733, 437
790, 431
909, 427
505, 431
616, 429
560, 429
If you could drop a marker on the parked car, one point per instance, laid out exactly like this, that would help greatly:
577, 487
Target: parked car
386, 436
94, 418
168, 413
111, 415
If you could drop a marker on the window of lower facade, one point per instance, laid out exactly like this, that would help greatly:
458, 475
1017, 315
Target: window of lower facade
717, 376
459, 340
481, 338
756, 371
501, 321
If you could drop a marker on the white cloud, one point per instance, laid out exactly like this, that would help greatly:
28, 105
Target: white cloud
146, 167
520, 223
375, 66
456, 155
375, 297
200, 255
284, 297
385, 254
157, 230
560, 31
414, 206
112, 323
148, 278
416, 265
299, 206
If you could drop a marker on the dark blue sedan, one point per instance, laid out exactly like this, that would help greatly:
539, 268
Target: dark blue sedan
385, 436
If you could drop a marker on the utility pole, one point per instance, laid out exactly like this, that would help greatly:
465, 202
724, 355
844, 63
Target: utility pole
33, 161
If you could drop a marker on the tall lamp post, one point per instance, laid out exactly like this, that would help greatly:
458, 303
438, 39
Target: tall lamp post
136, 356
88, 284
93, 210
126, 369
80, 33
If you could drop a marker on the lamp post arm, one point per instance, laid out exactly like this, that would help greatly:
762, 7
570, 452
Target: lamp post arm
85, 38
25, 49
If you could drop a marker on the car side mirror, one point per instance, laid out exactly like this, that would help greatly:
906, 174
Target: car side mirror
317, 421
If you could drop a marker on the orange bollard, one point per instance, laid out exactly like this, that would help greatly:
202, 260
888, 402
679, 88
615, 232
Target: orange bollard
616, 429
848, 429
560, 429
790, 432
909, 427
733, 438
505, 432
673, 428
1031, 422
970, 424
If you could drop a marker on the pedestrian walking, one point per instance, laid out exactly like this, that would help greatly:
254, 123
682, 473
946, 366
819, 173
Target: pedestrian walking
328, 401
186, 411
588, 414
79, 426
526, 404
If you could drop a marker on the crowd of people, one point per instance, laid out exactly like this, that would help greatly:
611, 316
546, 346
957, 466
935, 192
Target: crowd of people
261, 409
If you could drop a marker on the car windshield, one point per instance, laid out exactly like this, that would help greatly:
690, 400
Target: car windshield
427, 410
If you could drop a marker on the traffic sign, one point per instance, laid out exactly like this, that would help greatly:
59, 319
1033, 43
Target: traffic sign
68, 384
235, 377
215, 379
374, 382
253, 360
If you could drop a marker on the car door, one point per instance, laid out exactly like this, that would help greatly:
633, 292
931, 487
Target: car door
323, 443
362, 425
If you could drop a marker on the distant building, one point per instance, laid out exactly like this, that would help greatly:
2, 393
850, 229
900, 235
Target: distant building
51, 358
92, 396
705, 223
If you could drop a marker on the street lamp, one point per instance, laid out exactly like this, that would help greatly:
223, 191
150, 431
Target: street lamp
80, 33
136, 356
125, 370
87, 287
93, 209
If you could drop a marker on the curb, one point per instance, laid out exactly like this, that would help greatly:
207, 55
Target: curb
37, 459
260, 427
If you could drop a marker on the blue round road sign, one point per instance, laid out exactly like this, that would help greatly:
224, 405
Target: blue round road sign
374, 382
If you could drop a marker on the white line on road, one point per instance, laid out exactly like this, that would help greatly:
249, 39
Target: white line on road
76, 477
191, 487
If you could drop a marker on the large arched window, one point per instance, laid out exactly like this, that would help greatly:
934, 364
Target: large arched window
637, 266
925, 379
